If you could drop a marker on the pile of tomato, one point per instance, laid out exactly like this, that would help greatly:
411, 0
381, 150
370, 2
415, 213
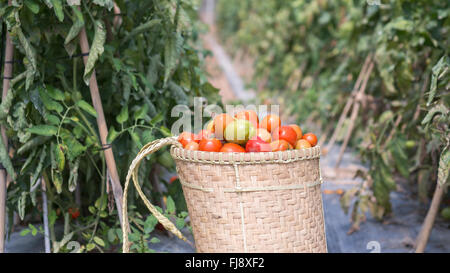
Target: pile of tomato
243, 132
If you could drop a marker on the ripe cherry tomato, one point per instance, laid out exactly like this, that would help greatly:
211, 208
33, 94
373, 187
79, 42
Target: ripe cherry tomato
203, 134
191, 146
173, 178
311, 138
249, 115
220, 123
286, 133
279, 145
264, 135
298, 130
187, 137
270, 122
210, 145
302, 144
256, 144
74, 212
232, 148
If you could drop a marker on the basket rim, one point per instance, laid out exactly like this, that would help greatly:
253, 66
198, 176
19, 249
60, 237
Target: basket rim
287, 156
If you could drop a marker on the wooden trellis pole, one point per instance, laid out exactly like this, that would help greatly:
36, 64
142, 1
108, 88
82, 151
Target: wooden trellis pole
349, 102
355, 111
103, 130
427, 226
7, 75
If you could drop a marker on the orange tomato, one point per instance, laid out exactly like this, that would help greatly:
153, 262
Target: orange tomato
191, 146
270, 122
173, 178
232, 148
203, 134
264, 135
302, 144
210, 145
187, 137
286, 133
220, 123
311, 138
298, 130
279, 145
249, 115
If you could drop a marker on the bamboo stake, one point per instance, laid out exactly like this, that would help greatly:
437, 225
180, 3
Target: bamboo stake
349, 102
425, 231
103, 130
355, 111
45, 216
7, 74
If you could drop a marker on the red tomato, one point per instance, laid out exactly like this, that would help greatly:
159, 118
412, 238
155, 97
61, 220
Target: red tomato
302, 144
285, 133
270, 122
210, 145
279, 145
74, 212
232, 148
187, 137
249, 115
220, 123
298, 130
191, 146
256, 144
173, 178
311, 138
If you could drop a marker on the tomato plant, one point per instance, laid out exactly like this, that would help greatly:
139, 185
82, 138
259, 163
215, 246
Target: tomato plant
146, 60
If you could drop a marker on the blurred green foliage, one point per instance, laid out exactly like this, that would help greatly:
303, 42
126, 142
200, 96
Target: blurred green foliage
310, 52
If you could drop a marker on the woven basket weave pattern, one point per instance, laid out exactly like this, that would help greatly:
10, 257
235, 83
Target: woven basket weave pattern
286, 218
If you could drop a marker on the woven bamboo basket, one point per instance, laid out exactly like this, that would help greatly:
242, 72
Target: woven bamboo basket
244, 202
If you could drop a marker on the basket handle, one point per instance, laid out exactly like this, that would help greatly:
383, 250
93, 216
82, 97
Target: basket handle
149, 148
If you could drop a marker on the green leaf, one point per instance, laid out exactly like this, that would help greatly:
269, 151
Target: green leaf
76, 27
87, 107
57, 7
90, 246
171, 52
157, 119
73, 177
99, 241
43, 130
111, 235
123, 115
74, 147
444, 166
33, 5
30, 60
166, 132
154, 240
178, 94
55, 93
21, 203
141, 28
33, 143
437, 72
180, 223
24, 232
170, 205
141, 113
5, 160
38, 170
48, 102
95, 51
112, 135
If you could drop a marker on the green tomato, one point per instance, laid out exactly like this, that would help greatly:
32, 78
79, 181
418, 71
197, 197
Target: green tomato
239, 131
